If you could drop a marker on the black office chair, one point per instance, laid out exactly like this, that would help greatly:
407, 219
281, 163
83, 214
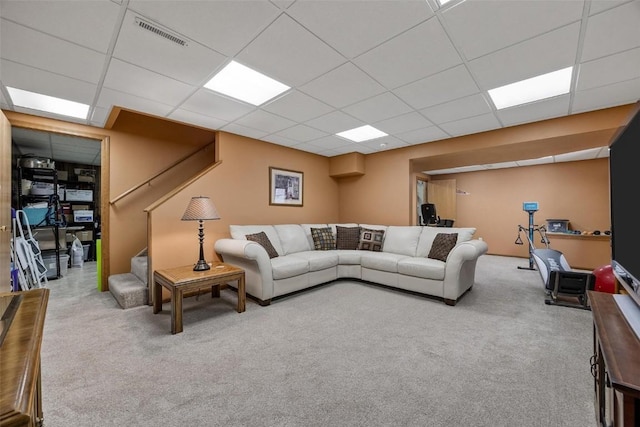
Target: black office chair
429, 216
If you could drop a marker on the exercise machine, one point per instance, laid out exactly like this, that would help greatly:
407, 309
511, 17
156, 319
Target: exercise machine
531, 208
563, 286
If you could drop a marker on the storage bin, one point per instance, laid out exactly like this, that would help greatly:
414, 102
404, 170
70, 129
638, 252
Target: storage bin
46, 239
558, 225
82, 216
36, 216
52, 269
85, 252
73, 195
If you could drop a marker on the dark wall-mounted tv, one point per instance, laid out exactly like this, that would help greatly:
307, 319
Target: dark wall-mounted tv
624, 176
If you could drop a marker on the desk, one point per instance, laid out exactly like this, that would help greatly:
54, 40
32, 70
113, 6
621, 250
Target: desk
183, 279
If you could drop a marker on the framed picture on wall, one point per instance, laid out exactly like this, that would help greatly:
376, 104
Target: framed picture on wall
285, 187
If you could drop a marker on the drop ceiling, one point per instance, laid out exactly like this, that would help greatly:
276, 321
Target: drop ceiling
412, 69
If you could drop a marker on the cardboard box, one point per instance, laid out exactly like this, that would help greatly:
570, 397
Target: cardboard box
73, 195
75, 207
63, 175
86, 178
46, 238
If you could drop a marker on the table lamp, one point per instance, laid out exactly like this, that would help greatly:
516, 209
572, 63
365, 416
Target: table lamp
200, 208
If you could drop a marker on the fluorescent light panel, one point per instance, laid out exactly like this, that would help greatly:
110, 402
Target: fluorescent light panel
533, 89
443, 2
363, 133
51, 104
243, 83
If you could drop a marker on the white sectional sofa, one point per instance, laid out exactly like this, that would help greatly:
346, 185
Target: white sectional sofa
403, 262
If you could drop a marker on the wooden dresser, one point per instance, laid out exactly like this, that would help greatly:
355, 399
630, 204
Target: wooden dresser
615, 364
22, 321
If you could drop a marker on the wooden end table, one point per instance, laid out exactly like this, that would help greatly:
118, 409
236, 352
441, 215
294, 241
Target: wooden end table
180, 280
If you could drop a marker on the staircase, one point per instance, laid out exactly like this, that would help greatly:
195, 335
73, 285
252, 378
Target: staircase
131, 289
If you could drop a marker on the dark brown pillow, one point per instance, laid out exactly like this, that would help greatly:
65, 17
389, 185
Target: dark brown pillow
263, 239
347, 237
442, 245
371, 240
323, 239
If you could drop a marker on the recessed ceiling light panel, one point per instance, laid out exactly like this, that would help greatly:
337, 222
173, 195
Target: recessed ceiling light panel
243, 83
50, 104
533, 89
363, 133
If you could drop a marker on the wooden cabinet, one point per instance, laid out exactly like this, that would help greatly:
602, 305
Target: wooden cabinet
22, 324
615, 364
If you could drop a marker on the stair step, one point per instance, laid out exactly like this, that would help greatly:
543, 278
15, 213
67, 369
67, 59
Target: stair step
128, 290
139, 267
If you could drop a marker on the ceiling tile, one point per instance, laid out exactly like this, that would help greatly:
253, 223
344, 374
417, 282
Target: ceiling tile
627, 92
481, 27
468, 106
201, 120
302, 133
610, 69
85, 23
420, 136
244, 131
225, 26
598, 6
99, 116
289, 53
49, 53
110, 98
306, 146
335, 122
421, 51
343, 86
612, 31
403, 123
128, 78
541, 110
469, 125
35, 80
527, 59
352, 27
383, 144
331, 142
211, 104
379, 107
264, 121
443, 87
280, 140
297, 106
192, 64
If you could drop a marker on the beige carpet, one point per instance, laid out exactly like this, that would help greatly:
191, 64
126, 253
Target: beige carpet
345, 354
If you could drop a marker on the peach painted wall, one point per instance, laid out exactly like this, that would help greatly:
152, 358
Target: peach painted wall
577, 191
239, 187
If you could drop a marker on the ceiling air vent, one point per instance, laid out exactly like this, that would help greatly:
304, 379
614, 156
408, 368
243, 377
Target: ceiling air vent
160, 32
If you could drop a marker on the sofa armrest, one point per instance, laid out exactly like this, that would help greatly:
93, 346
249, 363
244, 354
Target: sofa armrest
254, 260
460, 267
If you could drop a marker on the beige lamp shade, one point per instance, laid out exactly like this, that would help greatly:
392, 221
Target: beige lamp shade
200, 208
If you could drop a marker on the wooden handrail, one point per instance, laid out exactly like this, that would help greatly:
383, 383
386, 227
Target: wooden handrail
148, 180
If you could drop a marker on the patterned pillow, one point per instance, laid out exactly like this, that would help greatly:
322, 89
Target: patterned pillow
263, 239
371, 240
323, 239
442, 245
347, 237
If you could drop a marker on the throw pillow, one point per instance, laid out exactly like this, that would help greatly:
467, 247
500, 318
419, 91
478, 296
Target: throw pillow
442, 245
347, 237
263, 240
323, 239
371, 240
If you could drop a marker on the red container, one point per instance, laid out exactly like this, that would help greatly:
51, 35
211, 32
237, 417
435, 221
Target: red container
605, 279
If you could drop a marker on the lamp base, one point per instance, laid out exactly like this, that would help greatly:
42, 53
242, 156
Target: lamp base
201, 266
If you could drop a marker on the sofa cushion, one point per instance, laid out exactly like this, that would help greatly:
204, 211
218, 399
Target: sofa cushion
319, 260
264, 241
442, 245
371, 240
347, 237
292, 238
307, 232
429, 233
323, 239
240, 232
425, 268
288, 266
382, 261
402, 239
349, 257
